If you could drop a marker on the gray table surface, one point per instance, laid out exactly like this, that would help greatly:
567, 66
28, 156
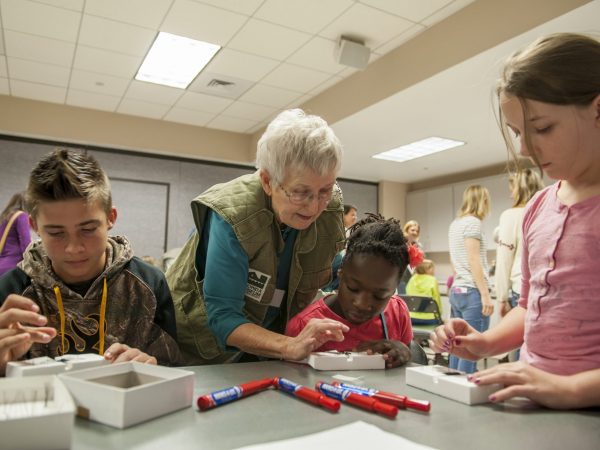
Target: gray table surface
273, 415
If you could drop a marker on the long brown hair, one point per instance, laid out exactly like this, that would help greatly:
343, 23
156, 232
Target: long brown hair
16, 203
561, 69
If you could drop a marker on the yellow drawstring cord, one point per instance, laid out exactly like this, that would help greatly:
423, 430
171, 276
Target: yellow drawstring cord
61, 312
102, 316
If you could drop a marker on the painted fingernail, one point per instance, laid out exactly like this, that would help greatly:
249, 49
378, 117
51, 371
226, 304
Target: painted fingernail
470, 377
477, 380
447, 343
492, 398
457, 341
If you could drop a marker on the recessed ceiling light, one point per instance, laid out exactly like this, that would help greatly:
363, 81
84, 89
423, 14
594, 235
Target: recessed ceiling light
418, 149
175, 60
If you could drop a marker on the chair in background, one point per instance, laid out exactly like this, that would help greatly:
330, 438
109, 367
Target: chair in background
421, 333
417, 354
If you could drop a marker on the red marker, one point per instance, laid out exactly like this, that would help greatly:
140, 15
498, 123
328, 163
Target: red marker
346, 395
398, 400
233, 393
314, 397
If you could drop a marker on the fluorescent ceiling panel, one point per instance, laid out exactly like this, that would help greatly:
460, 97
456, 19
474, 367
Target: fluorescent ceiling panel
418, 149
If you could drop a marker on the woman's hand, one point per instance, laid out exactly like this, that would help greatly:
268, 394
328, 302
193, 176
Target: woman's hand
313, 335
15, 338
456, 336
117, 353
395, 353
505, 308
523, 380
487, 307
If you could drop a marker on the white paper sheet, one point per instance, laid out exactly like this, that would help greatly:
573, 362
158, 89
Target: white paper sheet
353, 436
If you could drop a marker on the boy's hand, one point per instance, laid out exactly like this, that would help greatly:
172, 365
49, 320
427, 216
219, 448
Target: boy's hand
16, 339
395, 353
313, 335
117, 353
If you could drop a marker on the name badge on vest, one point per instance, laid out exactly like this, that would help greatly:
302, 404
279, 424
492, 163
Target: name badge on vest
257, 284
277, 298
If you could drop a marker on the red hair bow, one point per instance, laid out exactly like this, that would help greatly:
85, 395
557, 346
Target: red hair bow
415, 256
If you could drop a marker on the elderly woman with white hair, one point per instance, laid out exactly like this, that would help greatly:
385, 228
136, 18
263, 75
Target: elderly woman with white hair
263, 247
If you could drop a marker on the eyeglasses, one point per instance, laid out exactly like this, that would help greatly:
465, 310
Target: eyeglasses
305, 197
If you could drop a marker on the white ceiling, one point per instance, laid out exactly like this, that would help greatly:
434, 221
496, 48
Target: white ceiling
456, 104
280, 54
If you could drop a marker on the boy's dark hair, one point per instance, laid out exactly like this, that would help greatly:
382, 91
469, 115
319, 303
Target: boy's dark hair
376, 235
66, 175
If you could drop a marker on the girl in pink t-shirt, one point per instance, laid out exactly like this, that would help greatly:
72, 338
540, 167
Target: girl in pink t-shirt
549, 98
378, 321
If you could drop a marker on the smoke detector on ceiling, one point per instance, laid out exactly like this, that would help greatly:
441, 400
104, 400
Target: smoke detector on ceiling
353, 53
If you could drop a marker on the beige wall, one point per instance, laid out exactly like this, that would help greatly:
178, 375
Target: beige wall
392, 199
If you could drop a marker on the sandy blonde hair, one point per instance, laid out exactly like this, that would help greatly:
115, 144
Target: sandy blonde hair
425, 267
523, 184
476, 202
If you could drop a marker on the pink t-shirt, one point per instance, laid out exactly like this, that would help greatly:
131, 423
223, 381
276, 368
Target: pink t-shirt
396, 315
561, 283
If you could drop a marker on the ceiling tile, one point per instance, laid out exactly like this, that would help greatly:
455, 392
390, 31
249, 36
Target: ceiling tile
115, 36
21, 69
241, 65
3, 71
74, 5
269, 96
92, 100
36, 91
325, 85
295, 78
107, 62
98, 83
319, 54
145, 13
37, 48
265, 39
220, 85
249, 111
299, 101
189, 116
445, 12
306, 15
4, 90
144, 109
202, 22
203, 102
400, 39
231, 124
257, 127
409, 9
40, 19
165, 95
368, 24
246, 7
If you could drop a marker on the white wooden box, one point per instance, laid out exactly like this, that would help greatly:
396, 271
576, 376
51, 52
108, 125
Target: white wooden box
35, 412
449, 383
44, 365
345, 361
121, 395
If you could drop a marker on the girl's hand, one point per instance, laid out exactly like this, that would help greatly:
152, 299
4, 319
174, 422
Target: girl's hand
505, 308
395, 353
459, 338
523, 380
316, 333
117, 353
487, 307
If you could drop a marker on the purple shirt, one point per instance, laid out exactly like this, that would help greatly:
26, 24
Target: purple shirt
561, 283
17, 241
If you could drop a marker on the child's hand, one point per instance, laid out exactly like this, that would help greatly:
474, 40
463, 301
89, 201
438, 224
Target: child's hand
16, 339
316, 333
459, 338
117, 353
395, 353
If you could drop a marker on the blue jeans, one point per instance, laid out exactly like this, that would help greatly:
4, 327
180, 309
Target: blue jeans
514, 301
467, 306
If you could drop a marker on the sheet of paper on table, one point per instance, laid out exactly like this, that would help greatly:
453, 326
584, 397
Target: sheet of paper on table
349, 437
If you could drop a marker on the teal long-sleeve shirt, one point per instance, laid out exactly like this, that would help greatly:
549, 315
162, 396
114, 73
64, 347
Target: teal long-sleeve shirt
223, 263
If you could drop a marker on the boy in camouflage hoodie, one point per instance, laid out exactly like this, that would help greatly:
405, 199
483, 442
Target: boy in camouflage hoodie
79, 290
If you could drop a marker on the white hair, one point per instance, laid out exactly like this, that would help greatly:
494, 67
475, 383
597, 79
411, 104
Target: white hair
297, 141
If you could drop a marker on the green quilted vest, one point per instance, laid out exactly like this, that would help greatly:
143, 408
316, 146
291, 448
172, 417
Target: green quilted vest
245, 206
